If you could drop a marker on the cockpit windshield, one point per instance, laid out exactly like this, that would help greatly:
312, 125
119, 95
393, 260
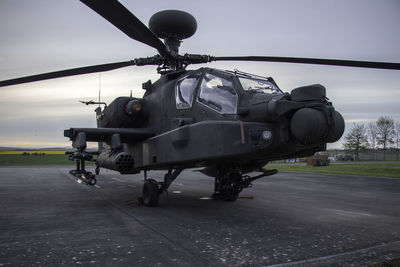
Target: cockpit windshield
258, 85
218, 93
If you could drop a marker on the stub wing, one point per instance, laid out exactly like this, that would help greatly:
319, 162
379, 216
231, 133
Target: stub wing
106, 134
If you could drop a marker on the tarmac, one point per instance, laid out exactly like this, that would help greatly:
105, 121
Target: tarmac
288, 219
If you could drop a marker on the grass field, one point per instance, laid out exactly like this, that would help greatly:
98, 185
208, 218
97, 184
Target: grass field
15, 158
31, 160
369, 169
18, 152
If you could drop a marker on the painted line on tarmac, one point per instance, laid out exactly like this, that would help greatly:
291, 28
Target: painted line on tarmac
349, 253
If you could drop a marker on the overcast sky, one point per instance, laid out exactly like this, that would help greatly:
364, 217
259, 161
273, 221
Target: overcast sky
46, 35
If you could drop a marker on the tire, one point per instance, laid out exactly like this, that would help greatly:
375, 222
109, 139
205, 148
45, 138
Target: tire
232, 197
229, 195
150, 194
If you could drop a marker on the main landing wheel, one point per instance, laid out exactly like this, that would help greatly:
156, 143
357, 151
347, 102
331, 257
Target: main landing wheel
150, 194
228, 184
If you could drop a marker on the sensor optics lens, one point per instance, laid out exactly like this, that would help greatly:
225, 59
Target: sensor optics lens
267, 135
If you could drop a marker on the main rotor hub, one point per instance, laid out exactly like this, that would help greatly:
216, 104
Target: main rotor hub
173, 26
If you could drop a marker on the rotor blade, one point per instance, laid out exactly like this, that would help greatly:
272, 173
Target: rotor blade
69, 72
318, 61
123, 19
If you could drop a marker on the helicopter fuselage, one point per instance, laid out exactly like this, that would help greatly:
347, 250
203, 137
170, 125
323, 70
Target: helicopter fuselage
208, 117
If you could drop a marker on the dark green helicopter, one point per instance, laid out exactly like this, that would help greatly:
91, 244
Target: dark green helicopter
230, 123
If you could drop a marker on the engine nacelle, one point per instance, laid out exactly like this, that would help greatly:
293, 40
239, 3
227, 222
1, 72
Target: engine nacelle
311, 126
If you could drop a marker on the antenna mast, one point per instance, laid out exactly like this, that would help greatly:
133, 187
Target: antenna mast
99, 87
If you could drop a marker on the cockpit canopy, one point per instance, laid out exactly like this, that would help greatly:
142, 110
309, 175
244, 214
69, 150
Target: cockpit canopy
220, 90
257, 85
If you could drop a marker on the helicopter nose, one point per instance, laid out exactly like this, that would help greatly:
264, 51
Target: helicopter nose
311, 126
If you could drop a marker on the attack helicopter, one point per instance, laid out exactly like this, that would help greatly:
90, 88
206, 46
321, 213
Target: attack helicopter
228, 123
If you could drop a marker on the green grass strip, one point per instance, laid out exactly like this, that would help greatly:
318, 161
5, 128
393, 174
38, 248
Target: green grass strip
20, 152
368, 169
31, 160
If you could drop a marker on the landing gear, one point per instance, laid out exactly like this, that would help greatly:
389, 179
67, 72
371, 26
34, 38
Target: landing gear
153, 189
227, 185
229, 182
150, 194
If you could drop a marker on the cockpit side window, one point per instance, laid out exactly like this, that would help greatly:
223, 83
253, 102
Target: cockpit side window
258, 85
184, 91
218, 94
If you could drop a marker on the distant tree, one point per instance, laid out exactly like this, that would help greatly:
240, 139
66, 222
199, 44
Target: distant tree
356, 139
397, 126
385, 133
371, 130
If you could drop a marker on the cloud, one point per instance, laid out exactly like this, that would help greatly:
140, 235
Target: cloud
359, 29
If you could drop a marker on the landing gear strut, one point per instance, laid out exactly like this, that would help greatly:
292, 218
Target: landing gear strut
153, 189
229, 182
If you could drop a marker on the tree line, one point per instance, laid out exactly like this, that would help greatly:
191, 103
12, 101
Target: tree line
382, 134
